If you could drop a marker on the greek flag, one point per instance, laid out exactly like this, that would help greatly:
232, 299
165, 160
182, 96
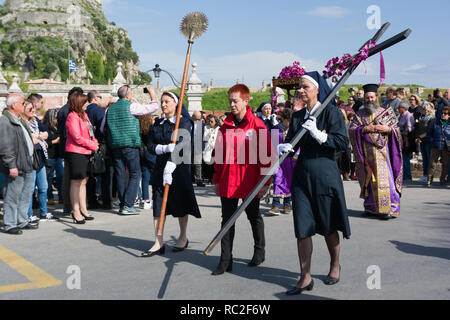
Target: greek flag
72, 66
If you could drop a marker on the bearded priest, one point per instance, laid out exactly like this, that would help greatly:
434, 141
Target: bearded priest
377, 149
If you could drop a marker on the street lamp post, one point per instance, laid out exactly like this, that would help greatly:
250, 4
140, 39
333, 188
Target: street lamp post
157, 73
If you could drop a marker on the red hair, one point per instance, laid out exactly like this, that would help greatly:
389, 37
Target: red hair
76, 102
242, 89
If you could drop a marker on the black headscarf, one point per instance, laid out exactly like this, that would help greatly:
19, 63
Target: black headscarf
324, 89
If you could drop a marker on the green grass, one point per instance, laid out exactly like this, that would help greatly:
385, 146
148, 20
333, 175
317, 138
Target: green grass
217, 99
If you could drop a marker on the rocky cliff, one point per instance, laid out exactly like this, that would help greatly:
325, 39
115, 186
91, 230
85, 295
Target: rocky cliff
37, 37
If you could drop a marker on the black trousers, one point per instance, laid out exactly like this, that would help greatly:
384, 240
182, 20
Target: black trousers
108, 184
229, 206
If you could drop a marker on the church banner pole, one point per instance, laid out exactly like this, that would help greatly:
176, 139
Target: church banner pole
378, 48
192, 26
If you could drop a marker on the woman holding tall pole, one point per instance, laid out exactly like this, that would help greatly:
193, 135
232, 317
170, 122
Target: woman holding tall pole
181, 199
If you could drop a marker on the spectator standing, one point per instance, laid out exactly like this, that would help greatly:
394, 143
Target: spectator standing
391, 100
96, 112
359, 100
350, 117
55, 161
40, 172
439, 102
351, 102
415, 106
148, 160
210, 139
62, 117
420, 132
439, 137
17, 156
343, 156
109, 185
383, 98
406, 125
198, 146
401, 94
80, 145
125, 141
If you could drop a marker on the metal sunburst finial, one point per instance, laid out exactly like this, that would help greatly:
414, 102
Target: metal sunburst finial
194, 25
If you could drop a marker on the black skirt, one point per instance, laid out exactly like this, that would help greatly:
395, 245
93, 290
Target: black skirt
78, 165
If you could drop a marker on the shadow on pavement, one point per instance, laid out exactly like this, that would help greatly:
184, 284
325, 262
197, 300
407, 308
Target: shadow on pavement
128, 245
108, 238
416, 249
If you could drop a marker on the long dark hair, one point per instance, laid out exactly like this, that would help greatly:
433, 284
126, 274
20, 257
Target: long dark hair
49, 119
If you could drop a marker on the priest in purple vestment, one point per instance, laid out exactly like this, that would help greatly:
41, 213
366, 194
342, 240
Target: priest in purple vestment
378, 154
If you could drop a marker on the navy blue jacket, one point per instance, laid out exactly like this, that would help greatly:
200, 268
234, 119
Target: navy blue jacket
435, 136
63, 113
96, 115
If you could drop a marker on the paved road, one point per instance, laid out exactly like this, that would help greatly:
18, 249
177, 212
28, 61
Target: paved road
411, 253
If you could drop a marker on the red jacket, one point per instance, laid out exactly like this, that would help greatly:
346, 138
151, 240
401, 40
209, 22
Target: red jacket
78, 137
238, 163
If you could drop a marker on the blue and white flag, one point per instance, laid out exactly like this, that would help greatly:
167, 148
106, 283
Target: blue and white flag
72, 66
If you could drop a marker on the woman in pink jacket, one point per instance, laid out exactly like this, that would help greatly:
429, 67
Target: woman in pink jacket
80, 145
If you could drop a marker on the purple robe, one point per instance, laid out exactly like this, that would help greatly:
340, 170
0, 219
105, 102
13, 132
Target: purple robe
379, 165
283, 177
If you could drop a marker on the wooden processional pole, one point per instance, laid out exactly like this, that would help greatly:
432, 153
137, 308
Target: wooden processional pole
192, 26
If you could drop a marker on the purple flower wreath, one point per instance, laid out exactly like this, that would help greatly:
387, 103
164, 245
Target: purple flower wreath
337, 66
294, 71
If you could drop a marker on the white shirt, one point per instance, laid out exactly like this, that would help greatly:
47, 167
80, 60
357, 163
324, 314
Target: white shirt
316, 106
173, 120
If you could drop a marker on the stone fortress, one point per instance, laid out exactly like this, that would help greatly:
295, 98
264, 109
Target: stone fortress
77, 22
49, 18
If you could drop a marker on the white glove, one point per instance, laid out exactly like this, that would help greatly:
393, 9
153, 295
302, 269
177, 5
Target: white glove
274, 119
311, 126
170, 167
164, 148
284, 148
167, 179
168, 170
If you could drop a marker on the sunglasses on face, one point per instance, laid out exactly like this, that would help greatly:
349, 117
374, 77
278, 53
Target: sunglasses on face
445, 113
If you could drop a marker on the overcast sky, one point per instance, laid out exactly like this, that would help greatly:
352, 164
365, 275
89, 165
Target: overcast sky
253, 40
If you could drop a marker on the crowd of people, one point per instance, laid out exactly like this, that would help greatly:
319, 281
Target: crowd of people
103, 153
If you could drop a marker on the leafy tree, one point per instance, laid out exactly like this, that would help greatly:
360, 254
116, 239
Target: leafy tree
95, 65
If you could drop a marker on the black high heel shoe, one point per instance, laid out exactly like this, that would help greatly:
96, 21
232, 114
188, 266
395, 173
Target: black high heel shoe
178, 249
148, 254
86, 216
77, 221
330, 280
222, 267
296, 290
